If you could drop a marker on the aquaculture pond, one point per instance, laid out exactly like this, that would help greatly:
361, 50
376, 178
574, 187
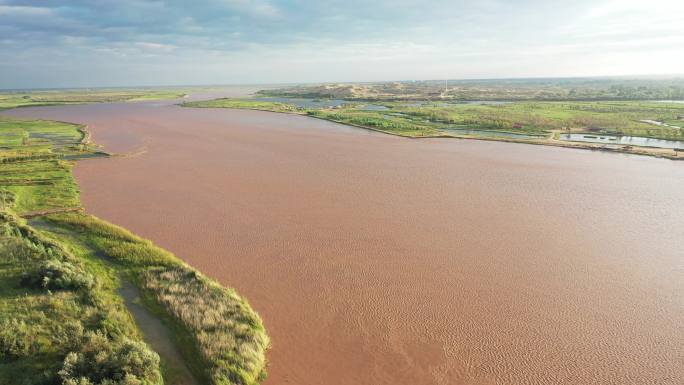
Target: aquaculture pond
373, 107
624, 140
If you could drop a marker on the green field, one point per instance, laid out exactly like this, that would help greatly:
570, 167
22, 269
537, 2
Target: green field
62, 317
50, 98
531, 118
246, 104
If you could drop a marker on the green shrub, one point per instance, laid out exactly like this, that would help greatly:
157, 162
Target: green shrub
102, 361
16, 339
58, 275
69, 334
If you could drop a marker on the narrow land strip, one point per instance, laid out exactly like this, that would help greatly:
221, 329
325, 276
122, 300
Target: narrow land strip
538, 123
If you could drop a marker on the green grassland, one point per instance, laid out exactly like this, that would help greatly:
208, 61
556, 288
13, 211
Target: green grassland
35, 165
62, 318
409, 125
532, 118
618, 118
49, 98
246, 104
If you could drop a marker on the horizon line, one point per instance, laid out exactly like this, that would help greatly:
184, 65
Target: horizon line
624, 77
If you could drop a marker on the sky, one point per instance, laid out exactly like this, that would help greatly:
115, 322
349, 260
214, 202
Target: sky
87, 43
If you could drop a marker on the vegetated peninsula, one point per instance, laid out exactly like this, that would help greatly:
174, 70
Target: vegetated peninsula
623, 115
20, 98
77, 293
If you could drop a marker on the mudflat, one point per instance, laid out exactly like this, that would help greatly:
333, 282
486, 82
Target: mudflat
375, 259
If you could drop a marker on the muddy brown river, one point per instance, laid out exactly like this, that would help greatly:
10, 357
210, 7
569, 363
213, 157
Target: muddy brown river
375, 259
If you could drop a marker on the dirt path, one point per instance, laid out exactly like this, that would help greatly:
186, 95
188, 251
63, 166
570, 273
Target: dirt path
158, 336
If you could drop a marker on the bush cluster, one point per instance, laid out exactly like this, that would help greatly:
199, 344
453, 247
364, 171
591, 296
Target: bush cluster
16, 339
58, 275
104, 361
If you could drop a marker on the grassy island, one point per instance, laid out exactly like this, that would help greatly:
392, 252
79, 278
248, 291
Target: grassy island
64, 316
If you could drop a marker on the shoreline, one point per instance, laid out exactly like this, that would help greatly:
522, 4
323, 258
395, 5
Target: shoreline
632, 150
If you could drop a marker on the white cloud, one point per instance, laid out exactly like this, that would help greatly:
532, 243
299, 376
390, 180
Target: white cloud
225, 41
643, 9
255, 8
155, 47
19, 10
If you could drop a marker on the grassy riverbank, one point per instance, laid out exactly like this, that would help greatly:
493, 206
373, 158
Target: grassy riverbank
528, 122
63, 319
59, 97
531, 118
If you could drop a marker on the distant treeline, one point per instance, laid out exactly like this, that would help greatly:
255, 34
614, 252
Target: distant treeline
562, 89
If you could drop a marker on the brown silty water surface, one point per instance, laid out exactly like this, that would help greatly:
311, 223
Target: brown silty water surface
375, 259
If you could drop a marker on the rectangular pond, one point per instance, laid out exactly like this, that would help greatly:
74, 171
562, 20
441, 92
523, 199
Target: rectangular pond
489, 134
624, 140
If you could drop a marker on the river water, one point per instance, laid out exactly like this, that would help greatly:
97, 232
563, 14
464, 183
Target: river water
375, 259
